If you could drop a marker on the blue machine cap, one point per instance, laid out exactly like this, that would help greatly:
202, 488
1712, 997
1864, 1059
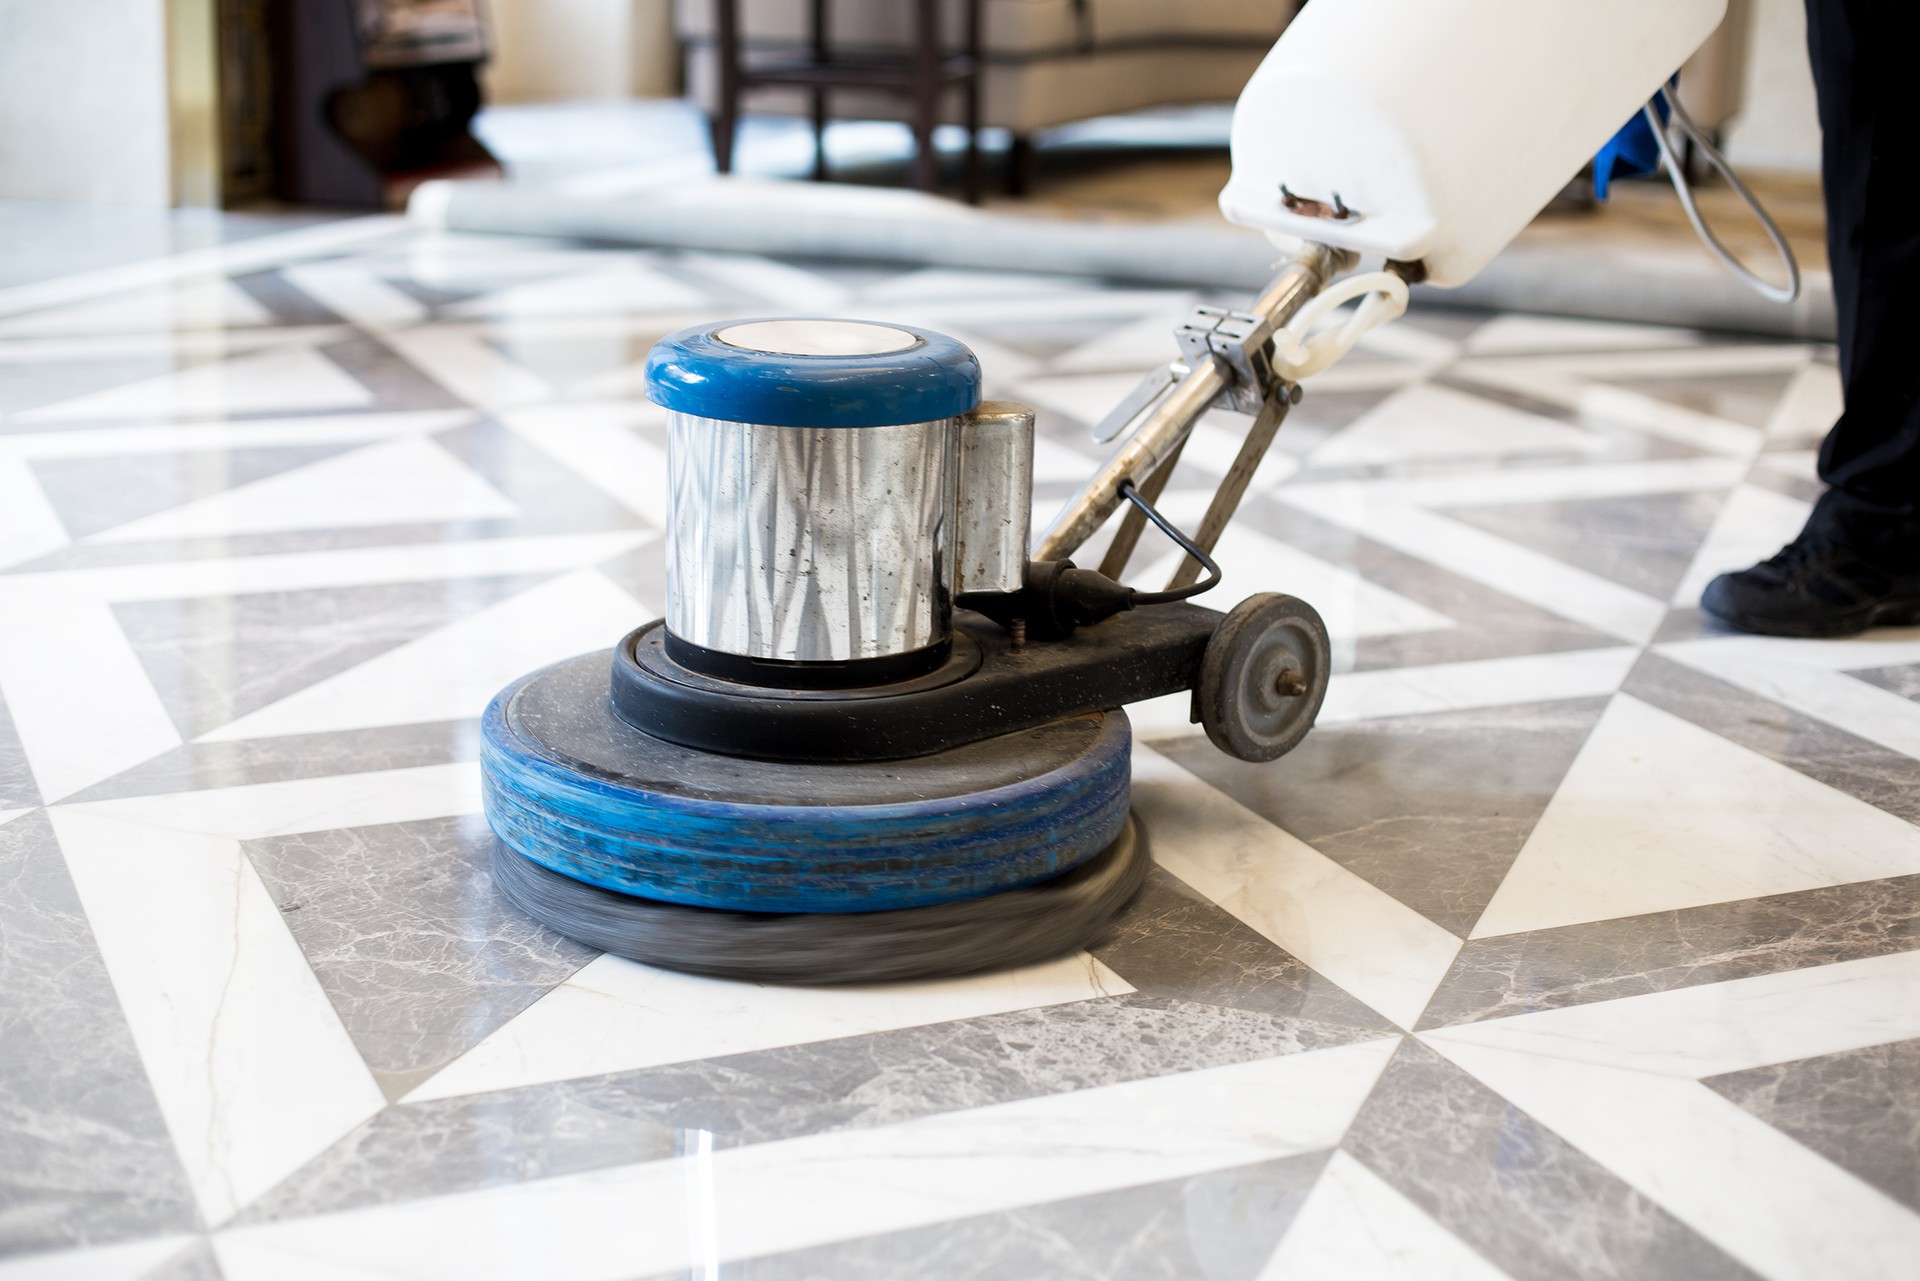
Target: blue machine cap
813, 373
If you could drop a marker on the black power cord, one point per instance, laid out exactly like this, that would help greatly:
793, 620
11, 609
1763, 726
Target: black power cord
1187, 545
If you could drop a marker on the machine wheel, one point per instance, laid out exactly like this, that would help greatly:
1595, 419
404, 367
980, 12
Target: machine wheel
1264, 676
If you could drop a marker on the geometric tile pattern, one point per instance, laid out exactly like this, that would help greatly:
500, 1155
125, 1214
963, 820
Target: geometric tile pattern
1582, 939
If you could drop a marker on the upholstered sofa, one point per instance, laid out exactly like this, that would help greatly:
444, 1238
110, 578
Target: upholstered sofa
1046, 62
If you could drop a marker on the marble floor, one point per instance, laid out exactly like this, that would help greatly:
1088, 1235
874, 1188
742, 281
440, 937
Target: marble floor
1581, 940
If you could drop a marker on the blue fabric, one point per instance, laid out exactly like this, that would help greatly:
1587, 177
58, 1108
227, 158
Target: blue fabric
692, 372
1630, 152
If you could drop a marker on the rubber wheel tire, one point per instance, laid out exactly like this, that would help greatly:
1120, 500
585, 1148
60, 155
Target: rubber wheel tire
1264, 676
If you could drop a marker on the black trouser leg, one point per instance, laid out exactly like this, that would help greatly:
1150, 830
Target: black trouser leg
1869, 99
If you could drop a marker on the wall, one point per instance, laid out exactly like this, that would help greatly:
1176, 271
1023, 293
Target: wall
83, 101
1777, 128
573, 50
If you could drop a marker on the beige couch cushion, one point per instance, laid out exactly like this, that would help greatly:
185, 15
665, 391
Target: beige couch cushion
1009, 28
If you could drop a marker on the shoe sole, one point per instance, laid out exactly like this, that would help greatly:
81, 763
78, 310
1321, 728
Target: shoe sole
1885, 614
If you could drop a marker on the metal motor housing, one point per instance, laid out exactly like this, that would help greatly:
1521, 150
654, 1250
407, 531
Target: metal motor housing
832, 486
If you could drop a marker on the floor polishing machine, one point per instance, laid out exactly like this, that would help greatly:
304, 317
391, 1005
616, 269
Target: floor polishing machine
878, 735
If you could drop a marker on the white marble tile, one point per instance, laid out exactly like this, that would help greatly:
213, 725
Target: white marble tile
253, 1071
1810, 406
947, 282
1519, 483
1713, 1028
289, 806
777, 1197
1657, 814
128, 1261
1493, 682
410, 480
1810, 677
1255, 562
614, 287
180, 348
1494, 562
455, 671
1354, 1226
1083, 397
1535, 335
1431, 422
1753, 525
294, 571
232, 258
1743, 1185
1355, 934
293, 379
167, 438
1131, 348
354, 292
1564, 381
615, 1016
202, 302
792, 290
81, 702
461, 360
29, 526
598, 444
1799, 464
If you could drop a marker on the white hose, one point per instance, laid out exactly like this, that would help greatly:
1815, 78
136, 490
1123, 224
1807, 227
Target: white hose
1304, 348
1765, 288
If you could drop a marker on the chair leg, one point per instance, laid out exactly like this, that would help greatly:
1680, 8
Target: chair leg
726, 116
1021, 163
972, 103
926, 96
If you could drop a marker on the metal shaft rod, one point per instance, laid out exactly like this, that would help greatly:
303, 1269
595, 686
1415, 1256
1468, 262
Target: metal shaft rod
1133, 522
1144, 452
1233, 486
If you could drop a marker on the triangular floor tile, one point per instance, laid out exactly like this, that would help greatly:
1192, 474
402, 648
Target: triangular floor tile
1429, 422
449, 674
1748, 398
1432, 808
400, 482
214, 658
271, 382
1356, 1224
1222, 1226
612, 289
1658, 814
1860, 1109
94, 494
190, 304
1645, 541
417, 954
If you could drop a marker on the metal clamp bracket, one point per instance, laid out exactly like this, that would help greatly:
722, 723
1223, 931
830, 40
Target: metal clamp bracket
1239, 340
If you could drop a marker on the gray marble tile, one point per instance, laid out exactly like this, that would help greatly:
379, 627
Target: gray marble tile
1514, 1190
1176, 944
197, 766
93, 494
17, 788
195, 1262
1433, 809
1645, 541
1903, 680
214, 658
290, 305
552, 499
1860, 1109
401, 926
424, 1149
566, 359
1219, 1226
1802, 488
1742, 398
1634, 955
30, 384
160, 551
1877, 775
396, 383
84, 1154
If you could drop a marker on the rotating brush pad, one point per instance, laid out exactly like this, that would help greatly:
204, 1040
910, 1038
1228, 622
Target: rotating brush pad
575, 790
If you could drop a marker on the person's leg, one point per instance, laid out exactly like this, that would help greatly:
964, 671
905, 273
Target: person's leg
1857, 563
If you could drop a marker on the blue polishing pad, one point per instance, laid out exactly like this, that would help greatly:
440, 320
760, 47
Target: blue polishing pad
571, 786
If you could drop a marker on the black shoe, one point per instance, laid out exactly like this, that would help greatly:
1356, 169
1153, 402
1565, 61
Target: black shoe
1830, 581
